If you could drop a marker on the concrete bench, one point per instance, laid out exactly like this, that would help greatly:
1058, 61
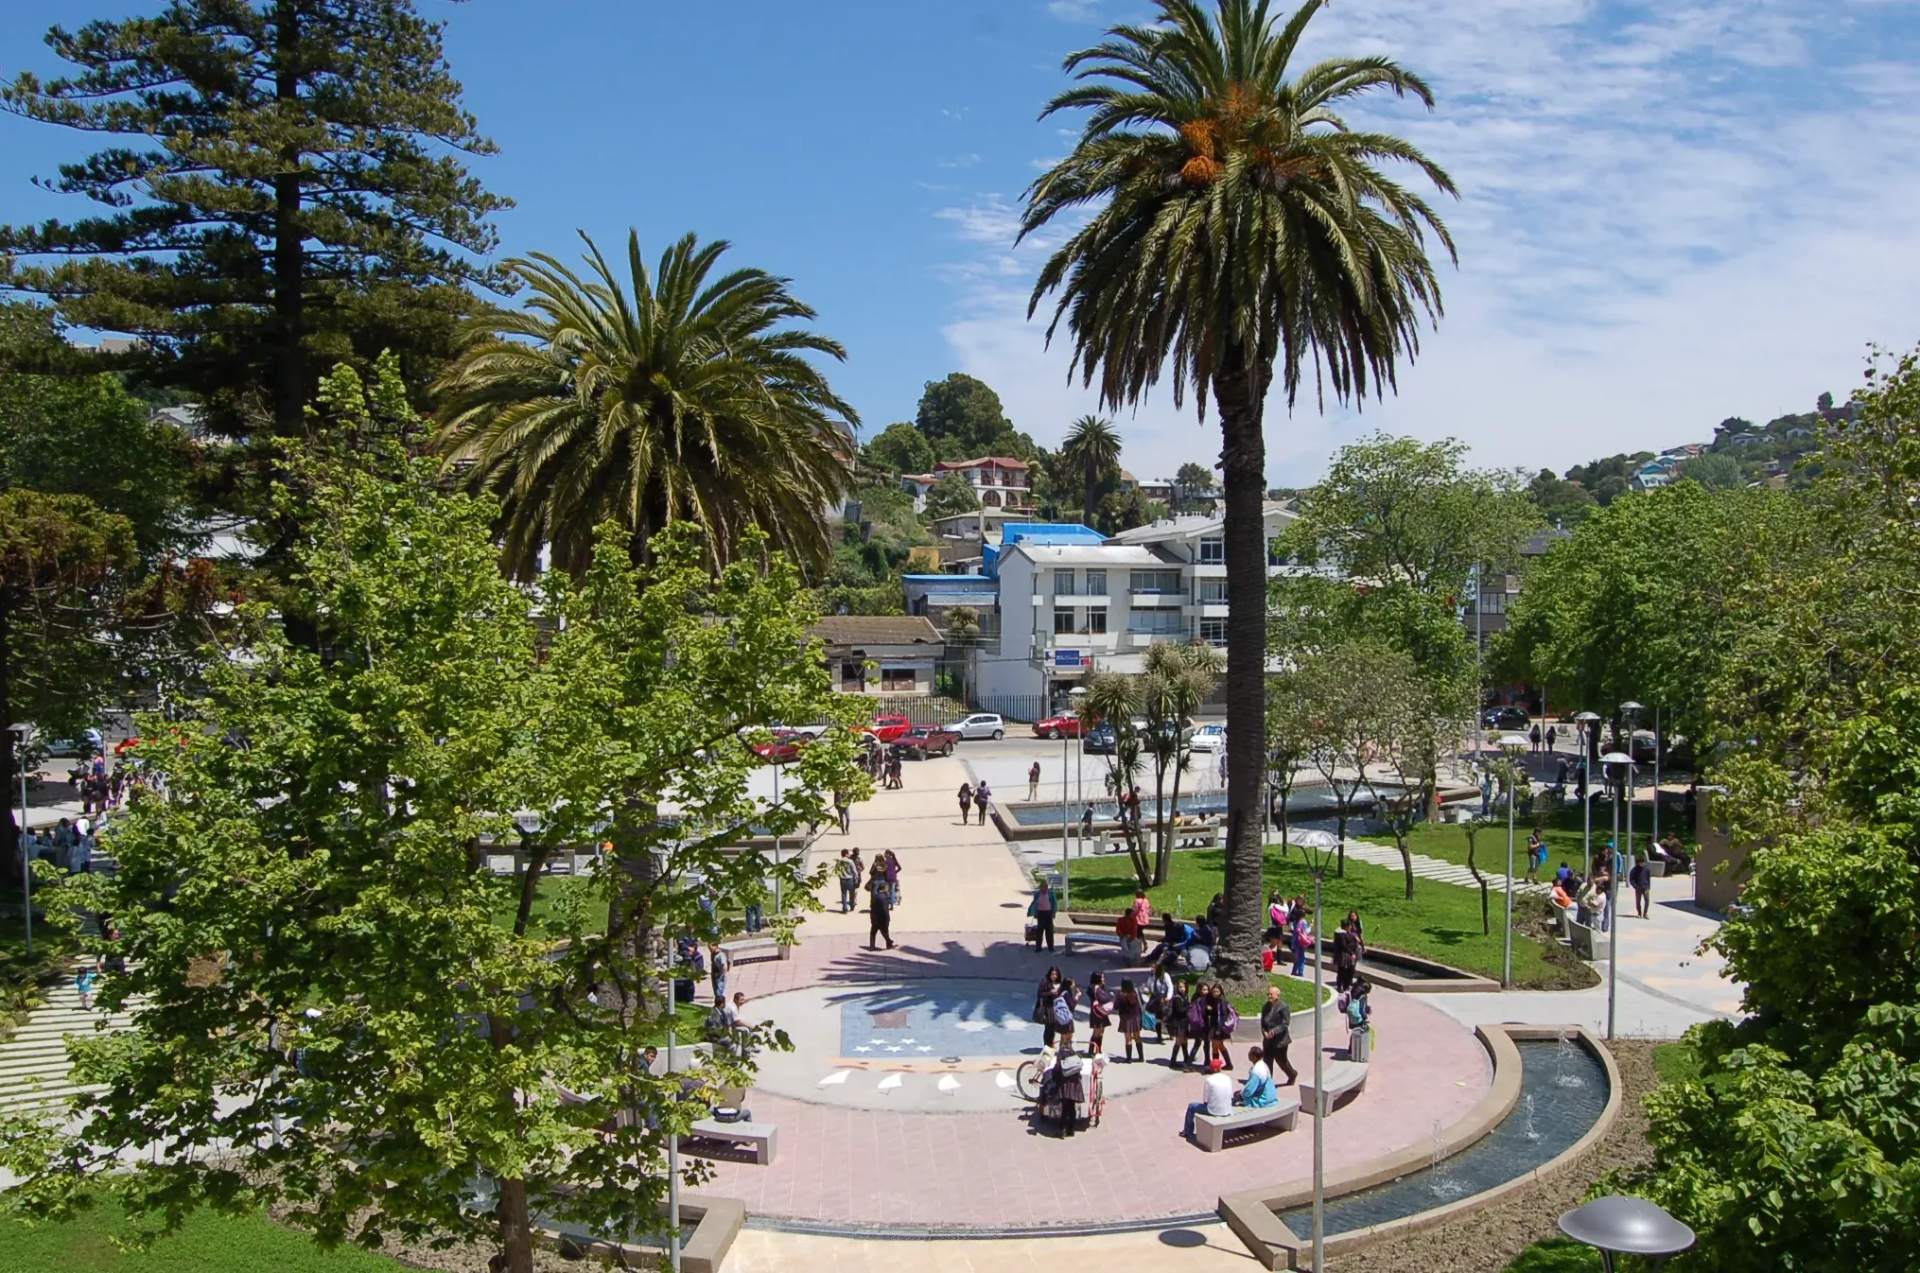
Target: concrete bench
1581, 938
1211, 1131
1656, 868
1341, 1078
760, 1137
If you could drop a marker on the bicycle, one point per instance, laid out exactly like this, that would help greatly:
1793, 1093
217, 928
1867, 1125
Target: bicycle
1026, 1079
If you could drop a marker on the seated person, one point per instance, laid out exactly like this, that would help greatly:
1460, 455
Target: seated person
1561, 898
1258, 1092
1565, 876
1668, 850
1217, 1097
1174, 945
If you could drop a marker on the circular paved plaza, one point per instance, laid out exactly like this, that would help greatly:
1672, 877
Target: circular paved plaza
896, 1110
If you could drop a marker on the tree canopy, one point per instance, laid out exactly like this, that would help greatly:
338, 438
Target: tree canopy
962, 419
899, 448
286, 184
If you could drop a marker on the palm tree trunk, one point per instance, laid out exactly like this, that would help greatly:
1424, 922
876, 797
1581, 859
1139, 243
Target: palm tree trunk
1166, 855
1160, 841
1239, 393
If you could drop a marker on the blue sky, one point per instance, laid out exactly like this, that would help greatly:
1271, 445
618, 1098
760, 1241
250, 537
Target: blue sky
1672, 212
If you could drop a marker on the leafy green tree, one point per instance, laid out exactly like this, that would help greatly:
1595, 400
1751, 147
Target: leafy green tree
899, 448
1562, 503
1191, 480
1715, 470
950, 495
385, 1037
1176, 680
1645, 601
669, 396
1093, 446
286, 185
1124, 510
1795, 1146
1114, 698
1236, 230
1290, 739
1416, 721
962, 419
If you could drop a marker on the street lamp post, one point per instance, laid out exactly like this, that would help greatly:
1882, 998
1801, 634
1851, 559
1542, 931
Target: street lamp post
1586, 721
1074, 696
1614, 760
22, 735
1620, 1225
1514, 745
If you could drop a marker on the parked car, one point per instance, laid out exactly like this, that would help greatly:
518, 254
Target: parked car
889, 728
927, 740
1208, 738
1059, 727
783, 747
981, 725
1100, 740
1508, 717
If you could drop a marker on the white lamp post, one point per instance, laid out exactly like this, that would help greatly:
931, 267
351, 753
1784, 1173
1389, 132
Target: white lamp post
1586, 721
22, 735
1615, 761
1515, 746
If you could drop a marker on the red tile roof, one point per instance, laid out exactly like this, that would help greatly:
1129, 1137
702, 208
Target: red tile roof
1002, 461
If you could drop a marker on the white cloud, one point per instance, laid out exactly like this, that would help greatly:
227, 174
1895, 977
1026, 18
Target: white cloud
1670, 214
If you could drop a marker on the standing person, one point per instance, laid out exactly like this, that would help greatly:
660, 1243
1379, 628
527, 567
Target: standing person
1041, 909
721, 964
1174, 1019
879, 908
1100, 1004
1086, 822
1050, 984
982, 797
966, 801
83, 986
1222, 1019
843, 809
1552, 736
1159, 992
893, 880
1533, 736
1536, 853
849, 868
859, 869
1216, 1099
1128, 1010
1302, 943
1640, 879
1063, 1005
1033, 782
1346, 956
1276, 1033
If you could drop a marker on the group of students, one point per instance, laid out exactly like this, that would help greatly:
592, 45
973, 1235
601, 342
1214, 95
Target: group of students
1591, 899
69, 845
972, 797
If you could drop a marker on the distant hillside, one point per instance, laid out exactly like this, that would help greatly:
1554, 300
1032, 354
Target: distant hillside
1741, 453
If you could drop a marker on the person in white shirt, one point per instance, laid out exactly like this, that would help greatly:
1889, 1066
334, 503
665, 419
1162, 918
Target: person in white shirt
1218, 1086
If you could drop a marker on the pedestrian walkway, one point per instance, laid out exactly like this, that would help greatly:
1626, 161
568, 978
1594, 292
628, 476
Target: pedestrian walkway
1426, 868
35, 1073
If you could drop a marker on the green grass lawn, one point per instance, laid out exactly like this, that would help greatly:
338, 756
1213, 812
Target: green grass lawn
1441, 922
1297, 992
1557, 1255
207, 1243
1676, 1062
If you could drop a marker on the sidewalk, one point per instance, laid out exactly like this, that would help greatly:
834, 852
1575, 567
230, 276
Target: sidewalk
34, 1070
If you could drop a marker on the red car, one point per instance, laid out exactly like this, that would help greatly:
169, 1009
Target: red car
1059, 727
927, 741
888, 729
784, 747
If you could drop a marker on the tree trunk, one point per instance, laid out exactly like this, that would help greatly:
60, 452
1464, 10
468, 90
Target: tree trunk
289, 249
9, 744
1406, 858
1161, 855
516, 1230
1239, 390
1166, 854
1486, 921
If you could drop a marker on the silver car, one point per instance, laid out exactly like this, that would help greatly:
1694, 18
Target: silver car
981, 725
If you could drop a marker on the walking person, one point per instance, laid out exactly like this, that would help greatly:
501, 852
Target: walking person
893, 880
1128, 1011
1033, 782
966, 801
1159, 993
1536, 853
1100, 1004
843, 809
83, 986
1175, 1021
879, 908
1640, 880
1050, 985
1222, 1020
1553, 736
1533, 736
1042, 910
982, 797
849, 869
1346, 956
1276, 1033
721, 963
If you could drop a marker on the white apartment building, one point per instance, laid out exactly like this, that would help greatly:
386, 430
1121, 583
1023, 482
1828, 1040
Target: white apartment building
1066, 611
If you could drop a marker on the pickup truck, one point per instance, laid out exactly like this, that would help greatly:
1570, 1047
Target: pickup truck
927, 740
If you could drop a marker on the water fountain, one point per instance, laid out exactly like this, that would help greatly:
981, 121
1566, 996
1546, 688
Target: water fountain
1566, 1053
1442, 1182
1529, 1130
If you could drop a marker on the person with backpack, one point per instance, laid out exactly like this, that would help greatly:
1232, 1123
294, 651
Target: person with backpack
1222, 1020
893, 880
879, 908
1159, 991
1061, 1012
1302, 942
1358, 1008
966, 801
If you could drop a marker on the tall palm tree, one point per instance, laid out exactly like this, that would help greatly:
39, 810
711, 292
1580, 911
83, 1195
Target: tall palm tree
1093, 445
679, 396
1237, 228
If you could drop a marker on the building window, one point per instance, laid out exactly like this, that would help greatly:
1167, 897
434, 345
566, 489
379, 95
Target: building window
1096, 619
1063, 583
1152, 582
897, 680
1213, 631
1276, 556
1096, 583
1213, 592
853, 676
1493, 602
1154, 622
1063, 621
1213, 552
